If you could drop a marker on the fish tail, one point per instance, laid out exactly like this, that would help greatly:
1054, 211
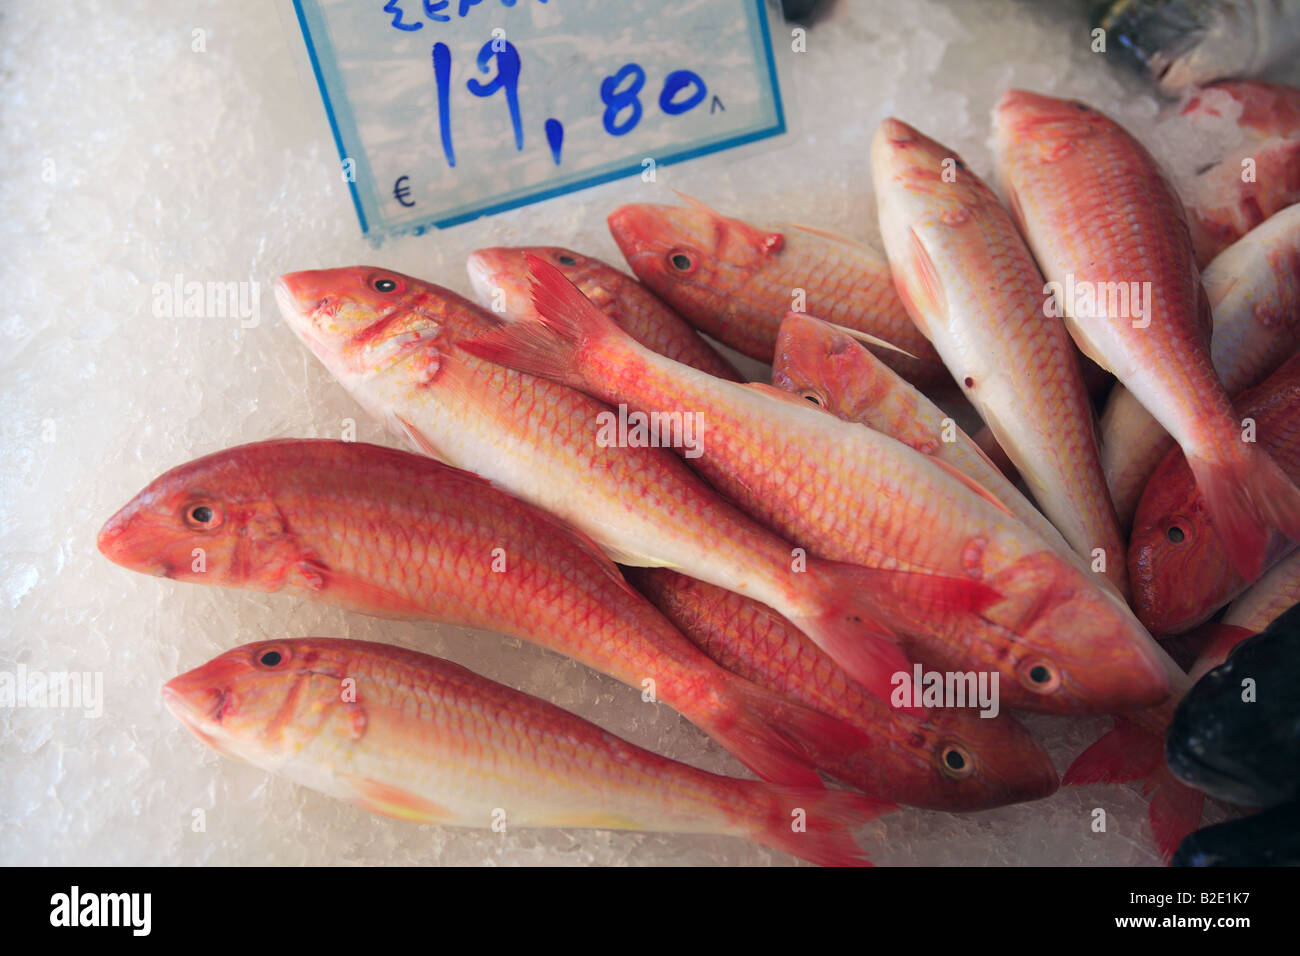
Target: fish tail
778, 739
1128, 752
553, 344
1131, 752
1174, 812
849, 621
816, 825
1248, 498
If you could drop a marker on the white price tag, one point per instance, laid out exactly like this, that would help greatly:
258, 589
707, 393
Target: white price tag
446, 110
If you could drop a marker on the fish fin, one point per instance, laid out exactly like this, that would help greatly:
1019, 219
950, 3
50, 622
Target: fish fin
849, 625
923, 295
778, 739
866, 338
829, 817
418, 439
763, 242
551, 344
1174, 812
390, 801
1127, 752
1247, 499
825, 234
973, 485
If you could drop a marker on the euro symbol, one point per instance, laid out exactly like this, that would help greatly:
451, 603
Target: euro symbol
401, 191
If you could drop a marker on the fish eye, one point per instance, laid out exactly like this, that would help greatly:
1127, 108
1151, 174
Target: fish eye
272, 657
1176, 534
202, 517
956, 762
385, 284
566, 260
681, 261
815, 399
1039, 676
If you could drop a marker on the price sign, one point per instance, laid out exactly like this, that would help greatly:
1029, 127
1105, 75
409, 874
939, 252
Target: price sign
446, 110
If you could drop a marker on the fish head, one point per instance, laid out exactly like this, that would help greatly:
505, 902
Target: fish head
924, 178
690, 255
265, 702
210, 521
1064, 644
360, 320
975, 763
1176, 560
1236, 733
502, 279
1043, 127
828, 368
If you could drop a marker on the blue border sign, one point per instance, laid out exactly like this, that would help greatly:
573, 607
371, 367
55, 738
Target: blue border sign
443, 111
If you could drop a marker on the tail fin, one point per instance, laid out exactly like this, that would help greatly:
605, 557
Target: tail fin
854, 601
1128, 752
1175, 811
1246, 499
553, 344
816, 825
778, 739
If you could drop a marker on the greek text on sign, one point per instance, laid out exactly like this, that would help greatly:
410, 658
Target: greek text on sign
446, 110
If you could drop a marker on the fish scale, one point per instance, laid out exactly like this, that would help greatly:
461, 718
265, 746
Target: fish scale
428, 741
904, 758
972, 287
543, 442
499, 275
1100, 216
743, 278
1253, 288
1179, 584
977, 588
388, 533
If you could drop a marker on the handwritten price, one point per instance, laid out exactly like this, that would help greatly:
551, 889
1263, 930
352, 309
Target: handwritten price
682, 90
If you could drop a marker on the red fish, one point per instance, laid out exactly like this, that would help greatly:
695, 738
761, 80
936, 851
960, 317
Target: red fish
950, 759
980, 590
392, 534
734, 281
1178, 562
422, 739
401, 347
638, 311
1109, 231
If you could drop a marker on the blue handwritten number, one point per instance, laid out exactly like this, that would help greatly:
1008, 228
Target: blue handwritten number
674, 83
392, 7
617, 100
507, 78
442, 75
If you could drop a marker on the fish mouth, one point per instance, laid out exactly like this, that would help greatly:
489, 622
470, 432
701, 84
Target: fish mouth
195, 707
632, 235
